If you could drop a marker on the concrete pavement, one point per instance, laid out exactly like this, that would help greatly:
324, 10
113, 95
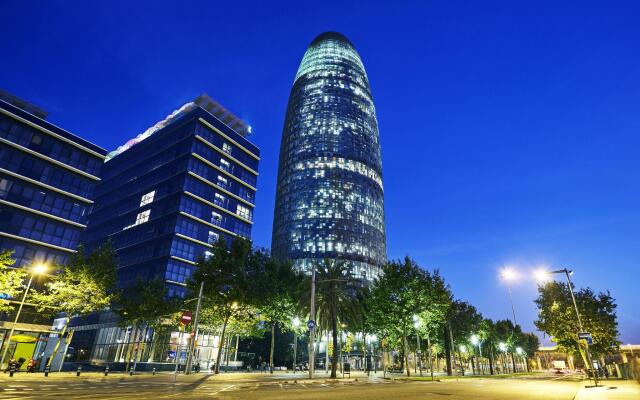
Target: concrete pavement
295, 386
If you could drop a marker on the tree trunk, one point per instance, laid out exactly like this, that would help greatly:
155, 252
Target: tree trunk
491, 359
334, 355
364, 352
513, 362
220, 344
273, 343
447, 350
405, 350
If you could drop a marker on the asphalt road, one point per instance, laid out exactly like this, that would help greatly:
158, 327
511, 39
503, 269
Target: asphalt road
264, 387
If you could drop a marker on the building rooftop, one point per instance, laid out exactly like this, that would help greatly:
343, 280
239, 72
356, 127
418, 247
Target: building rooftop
203, 101
23, 104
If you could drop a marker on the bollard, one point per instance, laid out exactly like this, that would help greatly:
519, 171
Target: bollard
46, 370
12, 369
131, 371
79, 370
153, 372
106, 371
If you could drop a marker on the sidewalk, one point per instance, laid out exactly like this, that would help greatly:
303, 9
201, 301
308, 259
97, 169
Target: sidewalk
610, 390
277, 376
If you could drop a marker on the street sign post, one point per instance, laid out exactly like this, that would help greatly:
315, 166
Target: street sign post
186, 318
586, 336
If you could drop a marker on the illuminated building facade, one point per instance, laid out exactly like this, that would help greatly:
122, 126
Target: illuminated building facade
329, 201
170, 193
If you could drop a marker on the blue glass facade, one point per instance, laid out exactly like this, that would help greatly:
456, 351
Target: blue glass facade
167, 198
329, 201
47, 179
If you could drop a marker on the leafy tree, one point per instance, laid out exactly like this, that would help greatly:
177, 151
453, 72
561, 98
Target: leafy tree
144, 304
79, 288
530, 344
11, 280
277, 284
229, 281
557, 318
402, 291
336, 300
505, 332
464, 320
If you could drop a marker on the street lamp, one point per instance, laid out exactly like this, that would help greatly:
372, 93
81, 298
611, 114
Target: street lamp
416, 324
35, 270
296, 324
568, 274
475, 340
510, 275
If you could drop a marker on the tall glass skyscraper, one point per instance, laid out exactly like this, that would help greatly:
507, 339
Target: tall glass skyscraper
329, 201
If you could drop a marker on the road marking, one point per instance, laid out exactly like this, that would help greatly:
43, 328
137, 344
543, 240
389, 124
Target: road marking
222, 390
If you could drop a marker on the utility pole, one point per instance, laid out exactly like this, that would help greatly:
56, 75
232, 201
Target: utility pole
15, 321
312, 324
575, 305
192, 342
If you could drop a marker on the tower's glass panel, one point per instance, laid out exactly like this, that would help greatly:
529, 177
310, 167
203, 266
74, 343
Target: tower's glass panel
329, 200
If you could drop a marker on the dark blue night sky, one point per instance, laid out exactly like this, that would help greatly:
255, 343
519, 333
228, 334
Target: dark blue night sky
510, 132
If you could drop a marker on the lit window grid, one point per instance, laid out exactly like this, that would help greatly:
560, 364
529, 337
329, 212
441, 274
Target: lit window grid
330, 193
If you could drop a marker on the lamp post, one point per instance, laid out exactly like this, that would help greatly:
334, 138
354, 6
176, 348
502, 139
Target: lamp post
503, 348
475, 340
296, 324
568, 274
311, 323
35, 270
192, 343
416, 324
511, 275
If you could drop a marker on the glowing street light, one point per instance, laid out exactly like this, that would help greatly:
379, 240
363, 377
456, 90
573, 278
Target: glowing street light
542, 275
519, 351
503, 347
35, 270
475, 340
296, 324
509, 274
417, 324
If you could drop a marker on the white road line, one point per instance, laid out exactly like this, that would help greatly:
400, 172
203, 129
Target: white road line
222, 390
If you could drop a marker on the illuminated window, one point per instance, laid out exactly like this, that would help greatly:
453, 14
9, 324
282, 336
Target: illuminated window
147, 198
219, 200
243, 212
141, 218
226, 147
213, 237
222, 181
225, 165
216, 218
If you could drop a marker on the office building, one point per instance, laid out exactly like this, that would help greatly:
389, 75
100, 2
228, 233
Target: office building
47, 179
169, 194
329, 201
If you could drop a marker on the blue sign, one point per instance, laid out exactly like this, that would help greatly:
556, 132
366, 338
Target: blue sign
5, 296
311, 324
171, 354
585, 336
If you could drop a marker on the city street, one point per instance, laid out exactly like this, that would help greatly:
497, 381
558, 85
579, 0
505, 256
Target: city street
278, 386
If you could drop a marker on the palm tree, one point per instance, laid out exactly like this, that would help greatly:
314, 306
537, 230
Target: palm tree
337, 300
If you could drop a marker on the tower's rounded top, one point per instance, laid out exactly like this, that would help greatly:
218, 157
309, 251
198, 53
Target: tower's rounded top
330, 35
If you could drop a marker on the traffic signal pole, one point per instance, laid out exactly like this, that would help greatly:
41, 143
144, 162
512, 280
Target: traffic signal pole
192, 342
